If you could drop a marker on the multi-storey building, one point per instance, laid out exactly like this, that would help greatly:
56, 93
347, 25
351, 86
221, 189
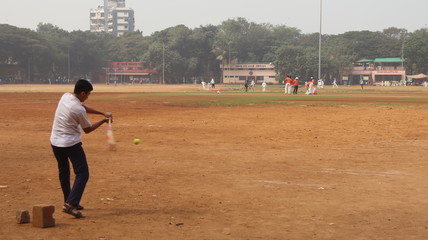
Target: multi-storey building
113, 18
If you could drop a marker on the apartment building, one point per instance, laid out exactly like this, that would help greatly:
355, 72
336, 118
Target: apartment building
113, 17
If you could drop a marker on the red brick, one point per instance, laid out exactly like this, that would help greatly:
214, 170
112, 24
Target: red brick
22, 216
43, 215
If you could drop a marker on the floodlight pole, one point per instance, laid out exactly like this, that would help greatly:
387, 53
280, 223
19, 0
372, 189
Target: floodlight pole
229, 62
68, 62
319, 43
163, 63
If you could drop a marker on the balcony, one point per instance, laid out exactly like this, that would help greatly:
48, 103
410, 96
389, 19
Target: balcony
368, 70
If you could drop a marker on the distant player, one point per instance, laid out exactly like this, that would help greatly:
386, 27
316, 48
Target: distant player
319, 84
311, 86
246, 86
288, 82
264, 86
212, 83
295, 85
335, 84
203, 84
252, 85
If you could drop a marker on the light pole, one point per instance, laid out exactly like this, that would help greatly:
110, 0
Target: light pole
319, 43
29, 71
68, 59
163, 63
229, 61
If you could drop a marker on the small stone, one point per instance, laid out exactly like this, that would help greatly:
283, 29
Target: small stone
22, 216
226, 231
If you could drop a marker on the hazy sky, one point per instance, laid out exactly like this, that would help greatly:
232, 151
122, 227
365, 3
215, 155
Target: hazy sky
339, 16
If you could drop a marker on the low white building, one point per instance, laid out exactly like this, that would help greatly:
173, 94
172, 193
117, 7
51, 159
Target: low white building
238, 73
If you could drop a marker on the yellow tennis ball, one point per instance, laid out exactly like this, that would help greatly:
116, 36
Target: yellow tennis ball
136, 141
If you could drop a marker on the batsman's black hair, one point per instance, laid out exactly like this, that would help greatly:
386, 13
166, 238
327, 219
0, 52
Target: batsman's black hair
82, 85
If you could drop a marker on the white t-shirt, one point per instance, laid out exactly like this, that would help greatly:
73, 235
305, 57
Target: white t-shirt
70, 118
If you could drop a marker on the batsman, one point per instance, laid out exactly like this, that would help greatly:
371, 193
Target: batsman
70, 119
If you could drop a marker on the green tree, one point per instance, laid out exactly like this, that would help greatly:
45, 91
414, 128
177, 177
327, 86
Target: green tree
128, 47
59, 44
416, 51
87, 52
27, 49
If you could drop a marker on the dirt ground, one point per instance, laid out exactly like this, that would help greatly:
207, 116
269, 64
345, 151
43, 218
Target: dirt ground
274, 171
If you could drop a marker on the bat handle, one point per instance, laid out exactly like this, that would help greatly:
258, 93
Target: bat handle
109, 122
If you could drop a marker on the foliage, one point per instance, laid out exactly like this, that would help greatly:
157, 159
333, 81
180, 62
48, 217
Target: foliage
185, 54
416, 51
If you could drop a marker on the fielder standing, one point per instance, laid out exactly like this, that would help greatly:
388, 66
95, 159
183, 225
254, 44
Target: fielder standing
70, 119
264, 86
288, 82
295, 85
212, 83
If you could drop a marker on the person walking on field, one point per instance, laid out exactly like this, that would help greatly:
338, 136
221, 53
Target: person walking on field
288, 82
264, 86
252, 85
70, 118
212, 83
362, 83
335, 84
295, 85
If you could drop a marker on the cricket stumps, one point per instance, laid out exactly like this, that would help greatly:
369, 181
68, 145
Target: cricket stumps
43, 215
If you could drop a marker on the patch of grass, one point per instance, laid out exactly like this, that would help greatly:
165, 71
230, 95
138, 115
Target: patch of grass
230, 97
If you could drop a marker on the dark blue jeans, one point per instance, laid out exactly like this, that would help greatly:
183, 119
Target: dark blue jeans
77, 157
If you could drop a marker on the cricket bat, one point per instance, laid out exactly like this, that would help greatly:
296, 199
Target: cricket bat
110, 138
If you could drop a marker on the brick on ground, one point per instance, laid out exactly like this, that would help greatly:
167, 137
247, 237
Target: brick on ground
22, 216
43, 215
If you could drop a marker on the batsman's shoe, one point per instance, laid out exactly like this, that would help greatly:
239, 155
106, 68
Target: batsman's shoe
67, 208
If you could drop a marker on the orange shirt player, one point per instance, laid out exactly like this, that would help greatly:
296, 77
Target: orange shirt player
295, 85
288, 82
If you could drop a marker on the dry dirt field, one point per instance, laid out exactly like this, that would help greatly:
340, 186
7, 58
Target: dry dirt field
343, 164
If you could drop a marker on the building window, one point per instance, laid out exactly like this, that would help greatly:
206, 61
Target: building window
242, 78
260, 78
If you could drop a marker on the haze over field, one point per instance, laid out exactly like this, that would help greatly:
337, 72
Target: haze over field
339, 16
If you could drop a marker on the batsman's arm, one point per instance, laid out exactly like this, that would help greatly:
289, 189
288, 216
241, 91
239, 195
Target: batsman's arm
95, 126
94, 111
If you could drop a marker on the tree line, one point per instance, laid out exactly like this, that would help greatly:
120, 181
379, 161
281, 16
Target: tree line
50, 52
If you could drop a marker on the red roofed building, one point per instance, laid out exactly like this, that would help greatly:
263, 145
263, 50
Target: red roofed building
126, 72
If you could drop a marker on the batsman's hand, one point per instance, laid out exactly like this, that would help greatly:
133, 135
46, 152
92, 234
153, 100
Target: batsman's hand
108, 115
